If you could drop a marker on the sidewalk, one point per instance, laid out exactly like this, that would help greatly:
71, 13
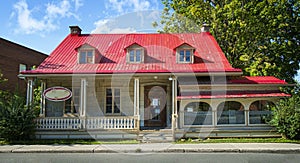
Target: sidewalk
156, 148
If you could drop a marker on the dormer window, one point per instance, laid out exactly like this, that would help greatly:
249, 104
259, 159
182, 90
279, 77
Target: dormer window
135, 54
185, 54
86, 56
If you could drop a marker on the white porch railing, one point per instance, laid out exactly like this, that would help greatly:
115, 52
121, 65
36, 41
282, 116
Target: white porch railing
111, 122
59, 123
90, 123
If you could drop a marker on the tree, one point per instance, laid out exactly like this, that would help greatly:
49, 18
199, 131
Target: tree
286, 115
16, 119
260, 37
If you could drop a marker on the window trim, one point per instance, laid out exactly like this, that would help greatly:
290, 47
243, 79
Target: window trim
22, 66
185, 49
135, 52
230, 124
113, 103
210, 110
86, 50
73, 103
258, 124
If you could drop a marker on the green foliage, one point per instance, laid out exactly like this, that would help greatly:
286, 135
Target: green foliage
16, 120
2, 79
260, 37
37, 94
286, 116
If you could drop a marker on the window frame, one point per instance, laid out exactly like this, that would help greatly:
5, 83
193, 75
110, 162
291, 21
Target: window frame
113, 96
73, 103
86, 50
22, 67
225, 105
198, 107
261, 108
185, 49
129, 50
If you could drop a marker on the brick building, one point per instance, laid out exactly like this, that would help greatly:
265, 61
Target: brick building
13, 59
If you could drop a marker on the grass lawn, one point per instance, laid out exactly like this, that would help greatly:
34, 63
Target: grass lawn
66, 142
238, 140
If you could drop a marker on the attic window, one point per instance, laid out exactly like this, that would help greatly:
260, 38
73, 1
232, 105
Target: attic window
135, 55
185, 54
86, 56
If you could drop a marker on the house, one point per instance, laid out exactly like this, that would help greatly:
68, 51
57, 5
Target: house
148, 87
16, 58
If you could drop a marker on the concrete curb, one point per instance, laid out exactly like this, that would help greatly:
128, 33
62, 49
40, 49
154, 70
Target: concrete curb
157, 148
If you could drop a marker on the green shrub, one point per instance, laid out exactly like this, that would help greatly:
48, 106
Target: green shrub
286, 117
16, 120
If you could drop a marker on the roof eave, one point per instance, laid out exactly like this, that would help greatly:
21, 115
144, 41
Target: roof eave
217, 73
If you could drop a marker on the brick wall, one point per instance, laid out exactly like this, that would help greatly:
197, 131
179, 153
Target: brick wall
11, 56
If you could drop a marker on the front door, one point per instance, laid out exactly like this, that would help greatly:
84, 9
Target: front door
155, 106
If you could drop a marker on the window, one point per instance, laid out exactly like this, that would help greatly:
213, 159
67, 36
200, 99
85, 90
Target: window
72, 104
113, 101
198, 113
135, 55
260, 112
22, 67
86, 56
185, 55
231, 112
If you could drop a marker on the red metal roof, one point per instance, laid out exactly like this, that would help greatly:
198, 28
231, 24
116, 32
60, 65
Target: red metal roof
256, 80
160, 54
232, 94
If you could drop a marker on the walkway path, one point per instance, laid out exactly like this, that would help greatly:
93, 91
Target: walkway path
156, 148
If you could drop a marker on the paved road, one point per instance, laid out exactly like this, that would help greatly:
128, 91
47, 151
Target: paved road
149, 158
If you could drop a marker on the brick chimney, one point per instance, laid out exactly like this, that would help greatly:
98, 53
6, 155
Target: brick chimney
205, 28
75, 30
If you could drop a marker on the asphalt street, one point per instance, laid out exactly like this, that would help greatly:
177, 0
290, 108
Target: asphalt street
148, 157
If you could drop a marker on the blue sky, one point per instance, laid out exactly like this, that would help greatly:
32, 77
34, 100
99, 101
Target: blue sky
43, 24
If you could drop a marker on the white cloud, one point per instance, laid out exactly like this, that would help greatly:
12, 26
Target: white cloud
28, 24
78, 4
123, 30
125, 6
103, 26
134, 16
101, 22
128, 23
63, 9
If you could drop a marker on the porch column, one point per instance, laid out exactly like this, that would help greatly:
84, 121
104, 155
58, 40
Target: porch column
43, 101
174, 107
136, 101
29, 98
83, 98
82, 110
